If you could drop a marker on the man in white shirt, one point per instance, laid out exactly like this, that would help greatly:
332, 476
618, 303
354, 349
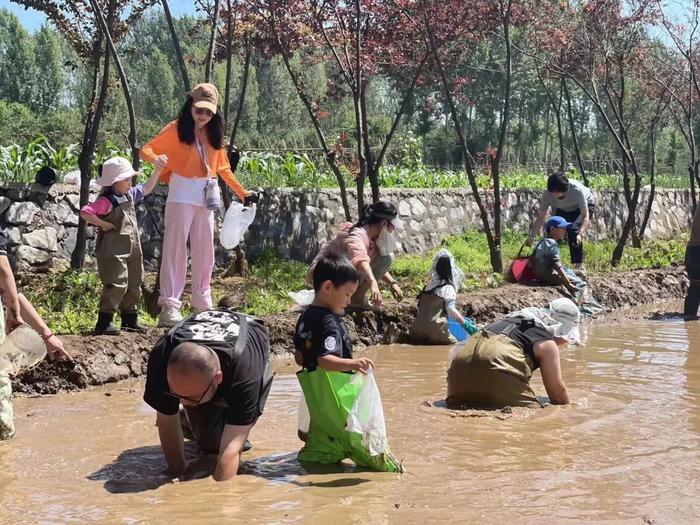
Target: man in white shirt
574, 202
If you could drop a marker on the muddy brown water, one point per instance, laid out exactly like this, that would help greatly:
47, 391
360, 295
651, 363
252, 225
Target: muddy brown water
627, 450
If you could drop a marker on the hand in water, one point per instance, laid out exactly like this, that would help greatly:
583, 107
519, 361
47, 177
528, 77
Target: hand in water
363, 365
160, 162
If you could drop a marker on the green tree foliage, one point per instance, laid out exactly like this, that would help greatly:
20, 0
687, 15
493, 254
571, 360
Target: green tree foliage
45, 87
16, 60
48, 77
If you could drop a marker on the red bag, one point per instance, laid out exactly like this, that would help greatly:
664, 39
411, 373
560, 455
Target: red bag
520, 270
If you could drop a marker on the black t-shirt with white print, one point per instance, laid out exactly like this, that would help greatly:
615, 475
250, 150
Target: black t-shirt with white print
242, 345
320, 332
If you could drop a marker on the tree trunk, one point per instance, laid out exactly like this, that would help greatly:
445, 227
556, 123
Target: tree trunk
692, 170
357, 104
372, 174
92, 126
572, 127
241, 97
229, 65
555, 105
547, 132
329, 154
496, 257
560, 131
651, 163
209, 64
133, 131
176, 44
629, 225
494, 249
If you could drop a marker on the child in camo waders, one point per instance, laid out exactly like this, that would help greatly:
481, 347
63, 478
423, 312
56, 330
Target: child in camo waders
118, 248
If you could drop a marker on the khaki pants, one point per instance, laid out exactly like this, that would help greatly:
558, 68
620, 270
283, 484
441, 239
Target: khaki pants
380, 266
121, 277
490, 371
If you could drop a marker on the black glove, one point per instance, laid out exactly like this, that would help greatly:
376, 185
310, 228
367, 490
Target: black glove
252, 198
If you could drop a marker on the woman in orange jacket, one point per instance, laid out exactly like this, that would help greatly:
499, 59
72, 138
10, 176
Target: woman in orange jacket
190, 152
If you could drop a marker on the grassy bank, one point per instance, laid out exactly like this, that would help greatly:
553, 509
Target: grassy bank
68, 301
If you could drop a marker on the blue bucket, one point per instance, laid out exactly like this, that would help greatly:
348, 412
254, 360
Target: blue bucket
457, 330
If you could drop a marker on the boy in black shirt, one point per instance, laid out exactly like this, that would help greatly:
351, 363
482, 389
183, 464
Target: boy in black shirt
320, 338
331, 391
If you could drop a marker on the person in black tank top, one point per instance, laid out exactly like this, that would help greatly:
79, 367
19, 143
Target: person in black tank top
494, 368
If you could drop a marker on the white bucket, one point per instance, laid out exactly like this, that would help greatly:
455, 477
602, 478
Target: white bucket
22, 349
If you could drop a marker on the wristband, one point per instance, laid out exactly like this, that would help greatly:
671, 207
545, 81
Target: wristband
46, 337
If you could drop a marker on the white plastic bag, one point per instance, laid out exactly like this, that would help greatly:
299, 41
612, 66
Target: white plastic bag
237, 221
72, 177
302, 297
22, 349
367, 416
304, 415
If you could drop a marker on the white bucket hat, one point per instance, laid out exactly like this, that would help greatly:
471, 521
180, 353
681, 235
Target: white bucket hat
567, 314
115, 170
561, 319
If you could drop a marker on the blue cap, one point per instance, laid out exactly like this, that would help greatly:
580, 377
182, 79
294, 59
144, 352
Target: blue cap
556, 222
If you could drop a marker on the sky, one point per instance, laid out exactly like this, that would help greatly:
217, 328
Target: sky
32, 20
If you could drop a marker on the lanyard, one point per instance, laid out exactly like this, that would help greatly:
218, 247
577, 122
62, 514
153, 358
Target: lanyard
201, 149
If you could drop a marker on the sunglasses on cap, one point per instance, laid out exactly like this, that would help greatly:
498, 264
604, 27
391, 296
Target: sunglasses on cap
203, 111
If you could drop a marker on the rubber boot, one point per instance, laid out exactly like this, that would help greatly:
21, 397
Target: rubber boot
104, 324
130, 322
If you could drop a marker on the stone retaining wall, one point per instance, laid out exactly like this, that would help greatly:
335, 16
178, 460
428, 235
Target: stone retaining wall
42, 224
297, 222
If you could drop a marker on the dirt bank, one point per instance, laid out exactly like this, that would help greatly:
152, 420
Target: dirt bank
99, 360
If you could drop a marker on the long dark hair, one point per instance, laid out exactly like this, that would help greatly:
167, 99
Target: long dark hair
376, 213
185, 126
443, 268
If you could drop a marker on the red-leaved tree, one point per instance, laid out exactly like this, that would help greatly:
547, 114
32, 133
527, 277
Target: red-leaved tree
452, 31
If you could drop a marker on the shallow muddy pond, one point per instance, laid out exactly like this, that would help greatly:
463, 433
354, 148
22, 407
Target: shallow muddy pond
627, 450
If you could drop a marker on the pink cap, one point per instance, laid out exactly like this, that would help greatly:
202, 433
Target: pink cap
114, 170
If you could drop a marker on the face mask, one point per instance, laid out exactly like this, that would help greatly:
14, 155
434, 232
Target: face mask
387, 243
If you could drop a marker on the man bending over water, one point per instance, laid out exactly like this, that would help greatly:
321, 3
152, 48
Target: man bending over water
493, 369
214, 363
